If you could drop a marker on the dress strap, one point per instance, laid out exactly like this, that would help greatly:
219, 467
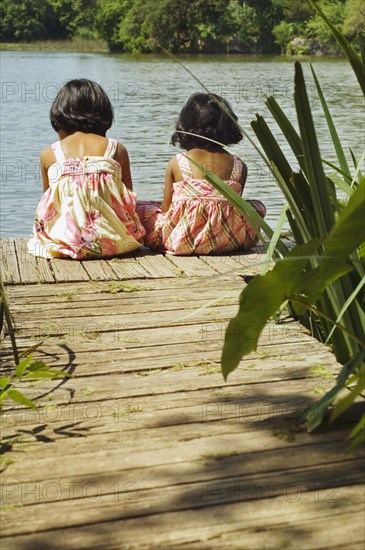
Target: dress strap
58, 153
111, 148
184, 166
237, 169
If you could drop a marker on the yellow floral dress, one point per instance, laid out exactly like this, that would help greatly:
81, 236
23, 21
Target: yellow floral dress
87, 212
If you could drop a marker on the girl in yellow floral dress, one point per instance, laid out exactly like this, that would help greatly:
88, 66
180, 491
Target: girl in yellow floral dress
88, 209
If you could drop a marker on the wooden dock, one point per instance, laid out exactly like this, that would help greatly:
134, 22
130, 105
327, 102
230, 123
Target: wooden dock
146, 446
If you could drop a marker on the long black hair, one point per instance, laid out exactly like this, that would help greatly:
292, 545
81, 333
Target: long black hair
206, 115
82, 105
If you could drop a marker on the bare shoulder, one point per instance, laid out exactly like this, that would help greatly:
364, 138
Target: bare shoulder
47, 156
172, 164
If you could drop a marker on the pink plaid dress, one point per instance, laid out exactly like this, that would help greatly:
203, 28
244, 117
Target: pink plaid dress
200, 220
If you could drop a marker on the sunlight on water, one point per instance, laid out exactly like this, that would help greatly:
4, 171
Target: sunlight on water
147, 93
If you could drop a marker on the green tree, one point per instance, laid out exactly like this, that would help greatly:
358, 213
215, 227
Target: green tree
268, 15
108, 17
177, 26
318, 31
294, 10
284, 32
29, 20
354, 23
246, 28
22, 20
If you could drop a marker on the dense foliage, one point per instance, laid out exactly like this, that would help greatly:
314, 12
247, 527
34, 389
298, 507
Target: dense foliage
252, 26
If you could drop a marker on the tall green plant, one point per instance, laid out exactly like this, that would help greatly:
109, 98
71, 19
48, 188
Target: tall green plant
322, 279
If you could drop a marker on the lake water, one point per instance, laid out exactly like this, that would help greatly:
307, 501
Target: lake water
147, 93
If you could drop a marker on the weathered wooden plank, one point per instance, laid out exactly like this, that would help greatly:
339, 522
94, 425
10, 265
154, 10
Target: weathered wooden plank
99, 270
159, 383
32, 269
26, 262
129, 268
279, 357
201, 519
68, 270
223, 264
298, 486
192, 266
196, 452
251, 264
159, 266
89, 338
44, 271
220, 411
218, 282
65, 307
318, 533
9, 263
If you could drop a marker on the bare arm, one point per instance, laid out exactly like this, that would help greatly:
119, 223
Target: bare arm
46, 159
169, 181
243, 174
121, 156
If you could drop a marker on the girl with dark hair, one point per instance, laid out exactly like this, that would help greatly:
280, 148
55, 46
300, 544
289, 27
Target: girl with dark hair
88, 209
194, 218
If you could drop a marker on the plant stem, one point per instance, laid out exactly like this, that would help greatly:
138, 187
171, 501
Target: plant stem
297, 300
9, 321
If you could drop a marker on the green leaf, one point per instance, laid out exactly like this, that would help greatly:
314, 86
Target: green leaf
344, 403
23, 365
291, 135
18, 397
360, 438
275, 238
348, 50
292, 279
358, 173
38, 365
315, 413
270, 291
340, 183
358, 428
4, 382
334, 135
316, 177
345, 306
271, 146
30, 349
349, 231
39, 369
283, 173
4, 395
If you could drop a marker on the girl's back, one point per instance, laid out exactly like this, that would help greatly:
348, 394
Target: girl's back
220, 164
80, 144
87, 211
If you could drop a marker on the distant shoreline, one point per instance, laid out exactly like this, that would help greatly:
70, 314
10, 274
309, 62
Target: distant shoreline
81, 45
73, 45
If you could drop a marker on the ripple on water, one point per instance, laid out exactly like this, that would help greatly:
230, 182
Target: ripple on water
147, 93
